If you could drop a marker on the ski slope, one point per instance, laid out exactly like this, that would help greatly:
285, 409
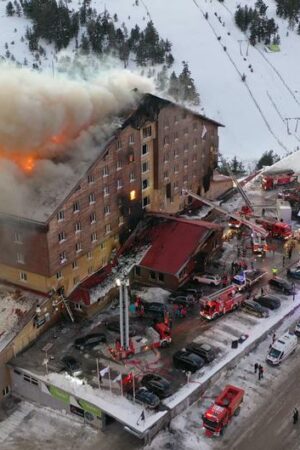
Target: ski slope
254, 112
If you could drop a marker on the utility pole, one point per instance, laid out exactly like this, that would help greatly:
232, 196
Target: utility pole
124, 313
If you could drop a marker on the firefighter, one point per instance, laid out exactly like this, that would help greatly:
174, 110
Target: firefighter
295, 416
224, 280
274, 271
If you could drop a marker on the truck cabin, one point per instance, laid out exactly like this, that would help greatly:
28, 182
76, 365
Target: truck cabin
214, 417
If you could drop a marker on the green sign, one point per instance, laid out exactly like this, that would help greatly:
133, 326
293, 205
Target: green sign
59, 394
90, 408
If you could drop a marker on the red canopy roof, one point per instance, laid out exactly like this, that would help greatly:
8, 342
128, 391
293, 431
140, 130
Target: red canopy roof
173, 243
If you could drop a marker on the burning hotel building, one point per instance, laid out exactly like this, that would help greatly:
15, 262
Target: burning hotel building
89, 206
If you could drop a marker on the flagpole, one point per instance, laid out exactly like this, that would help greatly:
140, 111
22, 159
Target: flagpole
121, 385
109, 378
98, 373
133, 386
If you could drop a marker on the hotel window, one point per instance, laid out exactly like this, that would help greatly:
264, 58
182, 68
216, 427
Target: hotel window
106, 191
176, 168
20, 258
195, 142
77, 227
105, 171
166, 123
147, 132
145, 183
194, 157
166, 140
94, 237
107, 228
90, 270
62, 257
18, 237
132, 195
176, 136
186, 146
106, 210
121, 220
166, 174
60, 216
145, 166
119, 183
146, 201
184, 115
93, 218
91, 179
144, 149
61, 236
152, 275
78, 247
131, 139
185, 163
138, 271
59, 275
119, 145
89, 255
92, 198
76, 207
131, 176
195, 126
186, 131
175, 120
23, 276
166, 157
119, 164
76, 280
176, 152
131, 157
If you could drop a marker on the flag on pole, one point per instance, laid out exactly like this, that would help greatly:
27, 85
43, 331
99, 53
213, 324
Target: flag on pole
118, 378
204, 131
104, 371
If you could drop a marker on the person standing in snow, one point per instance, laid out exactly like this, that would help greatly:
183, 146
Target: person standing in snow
295, 416
255, 367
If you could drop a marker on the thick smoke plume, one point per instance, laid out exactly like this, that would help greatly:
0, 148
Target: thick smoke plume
44, 116
37, 109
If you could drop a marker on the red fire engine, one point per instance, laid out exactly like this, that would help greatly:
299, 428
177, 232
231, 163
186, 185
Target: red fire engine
276, 229
271, 180
221, 302
227, 405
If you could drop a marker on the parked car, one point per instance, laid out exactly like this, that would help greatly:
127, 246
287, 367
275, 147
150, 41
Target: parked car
89, 341
280, 284
157, 384
202, 349
145, 397
255, 309
294, 272
185, 300
115, 327
269, 301
187, 360
155, 309
297, 329
71, 365
194, 294
208, 278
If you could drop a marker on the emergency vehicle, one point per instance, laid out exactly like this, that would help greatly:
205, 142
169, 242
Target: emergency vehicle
248, 278
276, 229
227, 405
221, 302
270, 180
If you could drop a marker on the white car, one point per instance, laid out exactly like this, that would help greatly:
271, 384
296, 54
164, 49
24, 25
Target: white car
207, 278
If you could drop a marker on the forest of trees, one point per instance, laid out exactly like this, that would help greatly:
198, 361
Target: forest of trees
255, 20
182, 87
268, 158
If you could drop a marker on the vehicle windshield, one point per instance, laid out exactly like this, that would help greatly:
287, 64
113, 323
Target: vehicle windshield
274, 353
210, 423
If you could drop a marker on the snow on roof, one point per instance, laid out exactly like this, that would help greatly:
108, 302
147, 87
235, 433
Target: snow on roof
14, 304
290, 162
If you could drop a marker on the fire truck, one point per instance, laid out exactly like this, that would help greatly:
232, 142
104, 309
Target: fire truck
221, 302
270, 180
226, 405
276, 229
155, 337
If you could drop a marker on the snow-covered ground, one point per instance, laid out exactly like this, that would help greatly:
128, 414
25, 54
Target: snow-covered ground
254, 112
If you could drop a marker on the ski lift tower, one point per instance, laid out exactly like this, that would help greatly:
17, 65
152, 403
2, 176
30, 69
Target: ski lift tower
124, 312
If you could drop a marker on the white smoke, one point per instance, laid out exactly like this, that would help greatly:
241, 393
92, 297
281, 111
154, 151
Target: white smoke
43, 115
37, 108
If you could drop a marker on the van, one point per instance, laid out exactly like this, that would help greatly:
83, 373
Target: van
281, 349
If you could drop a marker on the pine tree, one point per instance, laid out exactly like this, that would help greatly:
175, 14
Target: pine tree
10, 11
188, 91
267, 159
173, 89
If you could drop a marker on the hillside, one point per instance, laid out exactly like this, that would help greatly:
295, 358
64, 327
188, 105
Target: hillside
253, 111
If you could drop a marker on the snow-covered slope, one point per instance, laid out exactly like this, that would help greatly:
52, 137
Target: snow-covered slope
253, 111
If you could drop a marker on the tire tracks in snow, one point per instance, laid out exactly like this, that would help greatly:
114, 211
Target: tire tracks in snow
245, 83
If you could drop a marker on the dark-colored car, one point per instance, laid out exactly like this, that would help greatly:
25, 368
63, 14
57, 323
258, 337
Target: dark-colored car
185, 300
115, 327
280, 284
294, 272
269, 301
157, 384
186, 360
71, 365
202, 349
145, 397
255, 309
155, 307
89, 341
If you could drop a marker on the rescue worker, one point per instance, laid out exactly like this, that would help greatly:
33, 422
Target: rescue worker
295, 416
274, 271
183, 311
255, 367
